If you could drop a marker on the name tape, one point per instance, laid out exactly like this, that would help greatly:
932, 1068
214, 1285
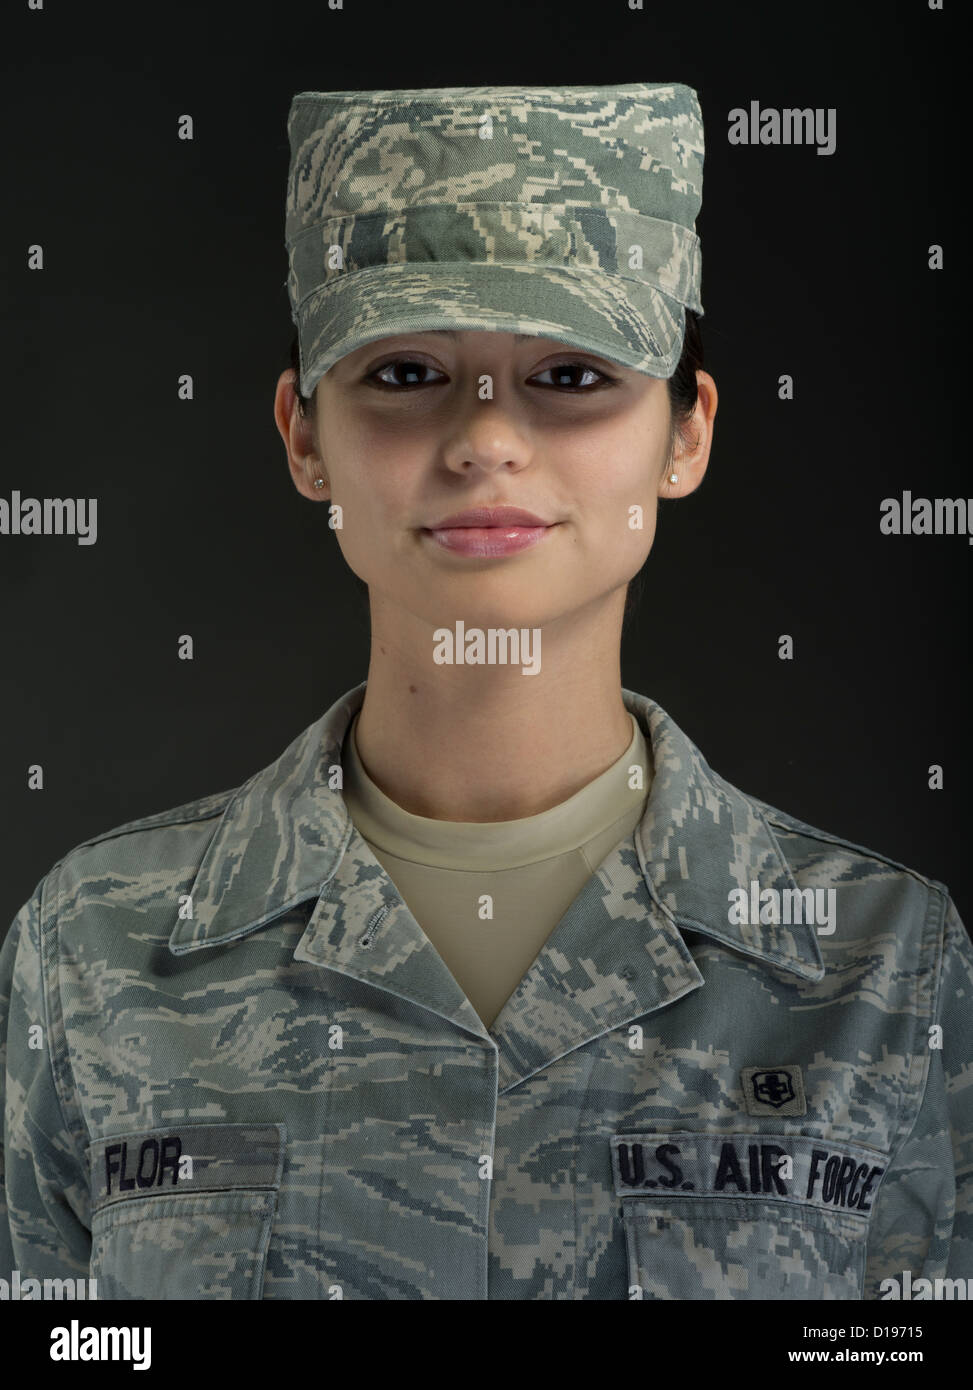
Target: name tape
185, 1158
819, 1173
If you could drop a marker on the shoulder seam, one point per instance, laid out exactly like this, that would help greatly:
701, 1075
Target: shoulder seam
177, 815
784, 821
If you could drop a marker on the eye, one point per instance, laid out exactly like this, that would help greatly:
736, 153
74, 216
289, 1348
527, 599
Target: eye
410, 369
562, 369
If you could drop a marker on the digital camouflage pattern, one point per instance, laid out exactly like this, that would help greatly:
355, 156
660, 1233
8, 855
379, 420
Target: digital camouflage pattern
565, 212
257, 1078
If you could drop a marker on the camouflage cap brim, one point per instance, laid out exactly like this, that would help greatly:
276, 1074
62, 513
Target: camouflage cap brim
642, 330
562, 212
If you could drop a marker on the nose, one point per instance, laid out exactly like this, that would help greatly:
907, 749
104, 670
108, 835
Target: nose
488, 440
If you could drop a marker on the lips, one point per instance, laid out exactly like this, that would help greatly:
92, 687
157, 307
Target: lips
489, 532
485, 517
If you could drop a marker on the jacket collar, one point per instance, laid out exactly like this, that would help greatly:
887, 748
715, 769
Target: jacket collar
285, 837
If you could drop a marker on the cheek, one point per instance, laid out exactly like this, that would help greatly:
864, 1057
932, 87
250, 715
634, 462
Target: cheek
625, 512
640, 522
378, 509
352, 522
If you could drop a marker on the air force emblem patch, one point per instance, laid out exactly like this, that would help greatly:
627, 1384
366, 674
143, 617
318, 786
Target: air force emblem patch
774, 1090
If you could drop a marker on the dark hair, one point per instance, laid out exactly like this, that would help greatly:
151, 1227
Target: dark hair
683, 396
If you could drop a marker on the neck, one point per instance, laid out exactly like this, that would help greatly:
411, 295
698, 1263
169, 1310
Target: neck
486, 742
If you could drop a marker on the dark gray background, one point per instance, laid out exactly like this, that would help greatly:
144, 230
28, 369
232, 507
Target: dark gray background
164, 257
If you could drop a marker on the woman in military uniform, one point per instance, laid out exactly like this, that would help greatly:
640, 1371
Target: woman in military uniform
489, 987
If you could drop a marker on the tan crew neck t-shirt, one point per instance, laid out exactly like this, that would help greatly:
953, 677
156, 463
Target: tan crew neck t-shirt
530, 869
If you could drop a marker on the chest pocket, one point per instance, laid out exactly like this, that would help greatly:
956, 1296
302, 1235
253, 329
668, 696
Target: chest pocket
184, 1212
750, 1216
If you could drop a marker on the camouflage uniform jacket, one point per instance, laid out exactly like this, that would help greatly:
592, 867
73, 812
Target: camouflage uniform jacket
235, 1067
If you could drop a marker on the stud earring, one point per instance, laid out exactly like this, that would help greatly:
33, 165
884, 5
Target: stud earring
673, 477
319, 482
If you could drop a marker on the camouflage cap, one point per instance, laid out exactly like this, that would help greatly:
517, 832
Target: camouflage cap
566, 213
